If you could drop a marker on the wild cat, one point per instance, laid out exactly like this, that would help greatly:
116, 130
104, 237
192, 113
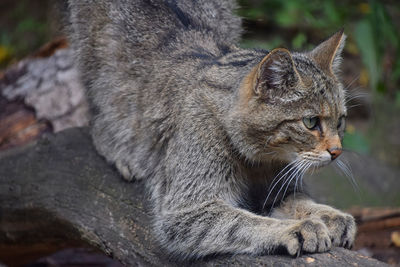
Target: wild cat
220, 135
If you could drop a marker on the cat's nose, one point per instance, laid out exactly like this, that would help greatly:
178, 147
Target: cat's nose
335, 152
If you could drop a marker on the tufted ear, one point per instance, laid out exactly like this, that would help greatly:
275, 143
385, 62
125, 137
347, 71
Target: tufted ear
276, 74
327, 55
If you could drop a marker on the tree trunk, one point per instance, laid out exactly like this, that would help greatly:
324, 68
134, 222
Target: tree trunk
59, 193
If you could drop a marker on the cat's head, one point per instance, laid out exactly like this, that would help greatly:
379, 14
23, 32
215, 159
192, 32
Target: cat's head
292, 106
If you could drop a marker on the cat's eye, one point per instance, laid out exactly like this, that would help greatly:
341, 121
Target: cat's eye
341, 123
311, 122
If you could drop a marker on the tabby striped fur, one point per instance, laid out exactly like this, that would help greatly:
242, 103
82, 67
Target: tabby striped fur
207, 126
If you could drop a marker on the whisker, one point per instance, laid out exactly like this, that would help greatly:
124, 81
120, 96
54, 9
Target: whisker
353, 106
301, 181
314, 166
301, 178
282, 175
349, 97
301, 174
343, 166
351, 83
356, 92
276, 176
295, 187
348, 173
288, 181
296, 175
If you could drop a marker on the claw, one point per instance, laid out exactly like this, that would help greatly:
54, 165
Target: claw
301, 241
299, 251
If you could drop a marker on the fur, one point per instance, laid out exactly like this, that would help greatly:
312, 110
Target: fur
208, 126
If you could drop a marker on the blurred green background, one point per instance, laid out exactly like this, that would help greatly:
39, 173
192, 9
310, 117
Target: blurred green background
371, 74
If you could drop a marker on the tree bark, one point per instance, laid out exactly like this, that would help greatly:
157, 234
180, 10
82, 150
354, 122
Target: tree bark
58, 192
41, 93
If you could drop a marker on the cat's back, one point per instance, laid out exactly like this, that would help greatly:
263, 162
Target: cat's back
137, 42
138, 62
147, 28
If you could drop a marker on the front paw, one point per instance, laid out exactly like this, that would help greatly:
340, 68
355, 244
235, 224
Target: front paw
310, 235
342, 227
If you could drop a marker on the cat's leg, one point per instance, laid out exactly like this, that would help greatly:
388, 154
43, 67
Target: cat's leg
217, 227
342, 227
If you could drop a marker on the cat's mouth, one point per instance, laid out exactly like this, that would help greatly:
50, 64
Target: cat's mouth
316, 160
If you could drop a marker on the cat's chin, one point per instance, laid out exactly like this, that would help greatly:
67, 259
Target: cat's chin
314, 160
318, 165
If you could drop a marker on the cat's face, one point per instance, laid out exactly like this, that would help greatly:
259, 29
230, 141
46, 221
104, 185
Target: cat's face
292, 107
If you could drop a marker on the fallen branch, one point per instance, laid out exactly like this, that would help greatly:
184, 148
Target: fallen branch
41, 93
59, 192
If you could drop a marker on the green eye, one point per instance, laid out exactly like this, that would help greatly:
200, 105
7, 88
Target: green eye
311, 123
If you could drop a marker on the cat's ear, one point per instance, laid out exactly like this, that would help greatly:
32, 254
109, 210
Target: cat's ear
327, 55
276, 73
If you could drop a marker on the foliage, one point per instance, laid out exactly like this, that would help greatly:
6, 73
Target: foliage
371, 29
325, 15
376, 37
24, 29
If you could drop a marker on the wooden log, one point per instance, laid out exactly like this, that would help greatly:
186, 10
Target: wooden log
59, 192
39, 94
